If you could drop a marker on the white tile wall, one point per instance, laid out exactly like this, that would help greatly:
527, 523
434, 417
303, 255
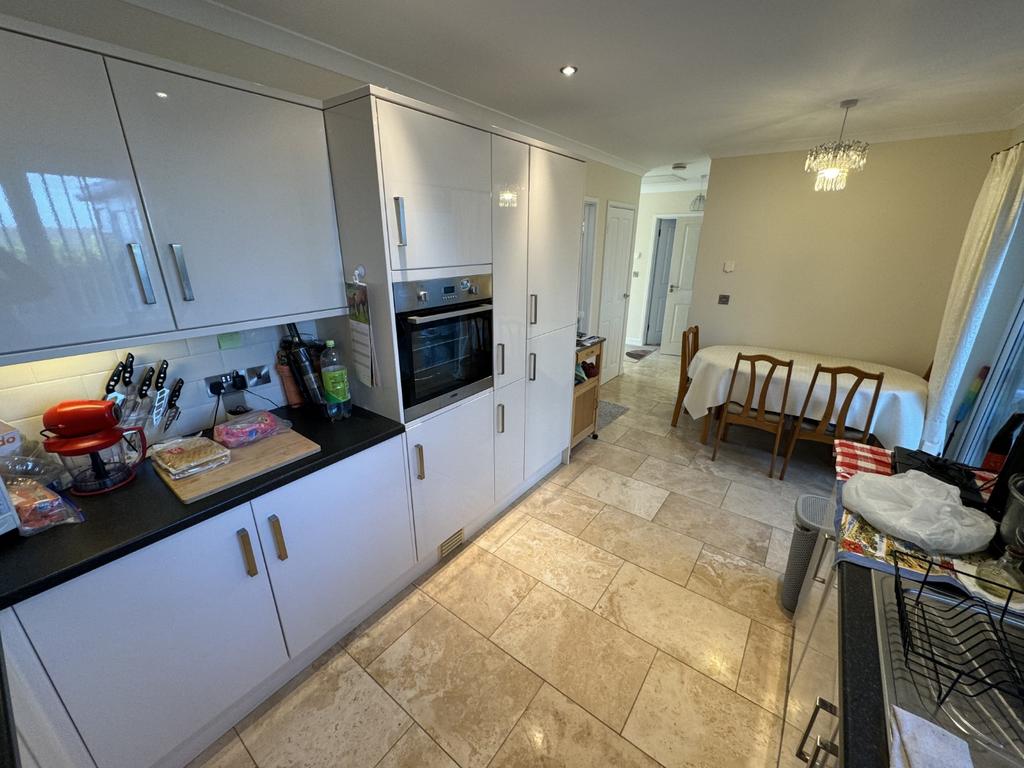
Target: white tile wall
28, 389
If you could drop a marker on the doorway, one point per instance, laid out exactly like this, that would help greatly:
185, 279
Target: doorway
670, 288
657, 290
615, 278
587, 245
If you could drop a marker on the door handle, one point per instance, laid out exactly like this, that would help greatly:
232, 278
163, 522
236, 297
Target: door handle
400, 219
501, 418
533, 366
625, 295
822, 748
140, 266
179, 262
501, 359
672, 288
247, 554
819, 705
421, 474
278, 532
533, 309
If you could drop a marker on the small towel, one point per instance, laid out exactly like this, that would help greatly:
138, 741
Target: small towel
920, 743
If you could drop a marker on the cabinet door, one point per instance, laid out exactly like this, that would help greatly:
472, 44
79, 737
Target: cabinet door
76, 261
437, 189
336, 538
451, 459
147, 650
238, 192
509, 438
510, 201
550, 362
556, 226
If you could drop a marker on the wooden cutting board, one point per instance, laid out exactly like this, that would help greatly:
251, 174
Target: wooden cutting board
246, 463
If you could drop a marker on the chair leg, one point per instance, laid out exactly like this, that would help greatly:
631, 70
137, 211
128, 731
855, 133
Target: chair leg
775, 450
679, 403
706, 430
789, 451
723, 424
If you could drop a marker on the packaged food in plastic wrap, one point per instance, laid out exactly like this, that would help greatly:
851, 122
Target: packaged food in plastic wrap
249, 429
40, 508
186, 456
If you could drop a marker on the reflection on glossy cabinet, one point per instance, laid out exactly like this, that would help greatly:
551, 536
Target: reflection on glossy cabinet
510, 201
76, 260
550, 361
509, 439
238, 192
556, 227
335, 539
437, 189
149, 649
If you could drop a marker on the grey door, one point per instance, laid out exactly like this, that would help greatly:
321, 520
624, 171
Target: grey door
661, 271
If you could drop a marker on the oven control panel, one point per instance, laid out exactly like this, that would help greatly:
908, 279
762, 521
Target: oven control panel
438, 292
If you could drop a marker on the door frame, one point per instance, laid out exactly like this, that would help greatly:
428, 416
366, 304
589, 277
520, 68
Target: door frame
588, 255
650, 277
629, 267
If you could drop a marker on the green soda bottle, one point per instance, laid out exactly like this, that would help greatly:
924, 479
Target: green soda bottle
335, 377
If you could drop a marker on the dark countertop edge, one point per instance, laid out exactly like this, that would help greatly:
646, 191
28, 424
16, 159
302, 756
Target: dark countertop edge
863, 724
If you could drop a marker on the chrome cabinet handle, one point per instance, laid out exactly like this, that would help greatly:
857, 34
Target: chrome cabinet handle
421, 474
247, 554
821, 558
819, 704
501, 418
140, 266
179, 262
278, 531
822, 748
533, 309
533, 366
501, 359
400, 218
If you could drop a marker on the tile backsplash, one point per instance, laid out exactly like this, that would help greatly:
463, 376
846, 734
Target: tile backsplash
28, 389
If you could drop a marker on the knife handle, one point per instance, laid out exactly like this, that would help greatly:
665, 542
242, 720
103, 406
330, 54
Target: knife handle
172, 400
115, 378
129, 369
146, 383
161, 375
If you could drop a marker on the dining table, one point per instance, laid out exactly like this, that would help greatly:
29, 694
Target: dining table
899, 415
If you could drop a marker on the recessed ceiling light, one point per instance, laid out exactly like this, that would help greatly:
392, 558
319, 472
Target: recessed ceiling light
568, 70
161, 95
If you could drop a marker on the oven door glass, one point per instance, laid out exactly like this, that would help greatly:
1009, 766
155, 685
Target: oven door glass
439, 356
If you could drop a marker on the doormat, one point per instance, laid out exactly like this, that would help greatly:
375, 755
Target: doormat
607, 412
638, 354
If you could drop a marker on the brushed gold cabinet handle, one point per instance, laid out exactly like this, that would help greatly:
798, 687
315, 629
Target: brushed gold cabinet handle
421, 473
247, 554
275, 528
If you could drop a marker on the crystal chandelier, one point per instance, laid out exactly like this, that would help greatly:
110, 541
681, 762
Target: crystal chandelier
833, 160
697, 204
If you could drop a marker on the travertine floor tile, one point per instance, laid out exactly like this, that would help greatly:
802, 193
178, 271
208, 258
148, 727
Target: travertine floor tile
715, 526
571, 566
561, 507
370, 643
694, 483
704, 634
666, 553
502, 529
416, 750
623, 492
463, 690
778, 550
556, 732
612, 432
746, 587
667, 448
645, 422
765, 665
764, 506
608, 455
479, 588
566, 473
227, 752
597, 664
338, 716
685, 719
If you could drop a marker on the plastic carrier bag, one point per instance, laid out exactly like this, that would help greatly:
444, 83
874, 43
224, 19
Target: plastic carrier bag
248, 429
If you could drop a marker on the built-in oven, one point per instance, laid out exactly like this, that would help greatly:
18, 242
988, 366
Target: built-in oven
444, 332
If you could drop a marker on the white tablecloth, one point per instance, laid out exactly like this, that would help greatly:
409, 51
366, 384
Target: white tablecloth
899, 415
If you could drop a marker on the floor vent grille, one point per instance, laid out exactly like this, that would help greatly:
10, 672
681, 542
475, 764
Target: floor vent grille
452, 543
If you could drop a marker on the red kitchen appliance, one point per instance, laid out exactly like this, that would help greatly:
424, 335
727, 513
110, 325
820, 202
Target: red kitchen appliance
86, 436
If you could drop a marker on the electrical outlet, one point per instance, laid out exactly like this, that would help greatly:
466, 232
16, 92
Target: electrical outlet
723, 298
225, 379
258, 375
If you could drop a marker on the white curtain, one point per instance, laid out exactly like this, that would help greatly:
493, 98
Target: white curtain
996, 216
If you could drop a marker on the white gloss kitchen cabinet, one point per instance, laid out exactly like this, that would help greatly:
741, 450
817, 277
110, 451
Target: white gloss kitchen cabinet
238, 193
509, 439
555, 230
437, 189
76, 261
451, 464
147, 650
335, 539
550, 364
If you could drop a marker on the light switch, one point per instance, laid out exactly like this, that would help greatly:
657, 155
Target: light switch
729, 266
723, 298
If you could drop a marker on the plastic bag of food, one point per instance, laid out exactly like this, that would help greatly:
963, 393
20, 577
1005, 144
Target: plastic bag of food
186, 456
249, 429
921, 509
40, 508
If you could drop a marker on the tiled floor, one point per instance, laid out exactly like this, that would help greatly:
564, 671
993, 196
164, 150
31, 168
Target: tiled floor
624, 613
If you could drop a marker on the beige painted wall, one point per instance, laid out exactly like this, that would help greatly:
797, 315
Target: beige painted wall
651, 206
605, 183
863, 272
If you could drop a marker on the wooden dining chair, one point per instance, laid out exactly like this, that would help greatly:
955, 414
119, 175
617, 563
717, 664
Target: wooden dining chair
749, 414
691, 343
822, 430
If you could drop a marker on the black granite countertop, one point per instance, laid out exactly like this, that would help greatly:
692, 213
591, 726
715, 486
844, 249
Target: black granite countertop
146, 511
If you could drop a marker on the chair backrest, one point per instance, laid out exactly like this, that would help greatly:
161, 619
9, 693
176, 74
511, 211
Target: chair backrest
759, 411
839, 420
691, 343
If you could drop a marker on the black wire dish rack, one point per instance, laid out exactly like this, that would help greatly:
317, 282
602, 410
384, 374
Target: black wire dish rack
959, 641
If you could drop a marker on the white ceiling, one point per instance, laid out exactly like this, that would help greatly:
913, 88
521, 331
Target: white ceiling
674, 80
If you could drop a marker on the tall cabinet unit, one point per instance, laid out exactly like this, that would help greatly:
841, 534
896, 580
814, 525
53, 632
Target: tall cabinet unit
550, 362
510, 206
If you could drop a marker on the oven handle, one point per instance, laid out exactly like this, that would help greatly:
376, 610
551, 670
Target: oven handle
417, 320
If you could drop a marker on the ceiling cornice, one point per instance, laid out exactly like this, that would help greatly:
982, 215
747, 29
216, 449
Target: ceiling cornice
231, 23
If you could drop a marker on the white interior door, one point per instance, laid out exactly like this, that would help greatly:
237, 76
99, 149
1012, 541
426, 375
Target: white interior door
618, 250
680, 289
661, 277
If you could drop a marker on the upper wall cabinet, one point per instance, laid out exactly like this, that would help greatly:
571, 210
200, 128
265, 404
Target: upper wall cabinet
556, 223
437, 189
238, 192
76, 261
